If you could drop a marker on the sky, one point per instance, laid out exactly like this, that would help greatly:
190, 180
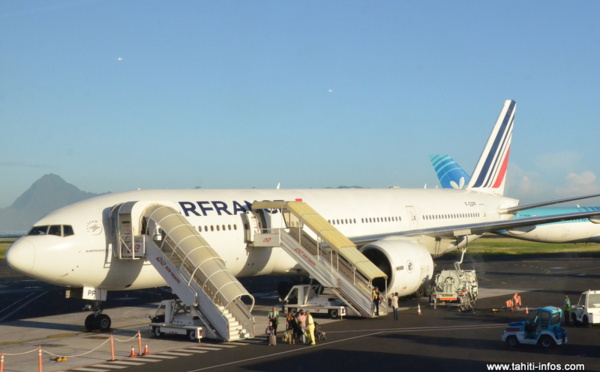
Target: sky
118, 95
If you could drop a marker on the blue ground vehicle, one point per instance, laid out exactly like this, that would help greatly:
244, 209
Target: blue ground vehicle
541, 327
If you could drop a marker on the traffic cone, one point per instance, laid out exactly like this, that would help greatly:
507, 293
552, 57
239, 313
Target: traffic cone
146, 351
132, 353
418, 309
526, 310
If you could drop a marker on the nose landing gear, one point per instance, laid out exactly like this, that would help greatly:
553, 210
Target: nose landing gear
97, 320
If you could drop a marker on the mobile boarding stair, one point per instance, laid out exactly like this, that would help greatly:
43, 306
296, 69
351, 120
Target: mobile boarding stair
332, 259
193, 270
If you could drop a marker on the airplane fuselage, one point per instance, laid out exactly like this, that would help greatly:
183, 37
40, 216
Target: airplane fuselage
81, 254
583, 230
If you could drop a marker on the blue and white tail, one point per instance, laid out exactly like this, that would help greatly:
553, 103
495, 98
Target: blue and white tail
490, 172
450, 174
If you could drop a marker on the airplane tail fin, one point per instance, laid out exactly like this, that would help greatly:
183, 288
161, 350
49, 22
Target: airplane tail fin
450, 174
489, 175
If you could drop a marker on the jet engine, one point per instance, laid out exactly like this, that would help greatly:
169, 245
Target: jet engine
408, 265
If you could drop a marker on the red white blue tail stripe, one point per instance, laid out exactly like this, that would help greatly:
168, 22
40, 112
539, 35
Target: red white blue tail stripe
490, 173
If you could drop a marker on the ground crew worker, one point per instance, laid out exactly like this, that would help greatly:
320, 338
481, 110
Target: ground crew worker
310, 327
567, 306
429, 290
274, 318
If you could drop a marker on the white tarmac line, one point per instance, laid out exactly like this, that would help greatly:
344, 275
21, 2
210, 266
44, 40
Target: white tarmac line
108, 366
127, 363
382, 331
196, 351
160, 356
175, 353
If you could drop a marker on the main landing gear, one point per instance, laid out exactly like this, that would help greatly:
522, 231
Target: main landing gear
97, 320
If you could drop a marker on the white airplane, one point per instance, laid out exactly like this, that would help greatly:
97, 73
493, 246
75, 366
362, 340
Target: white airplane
585, 230
399, 230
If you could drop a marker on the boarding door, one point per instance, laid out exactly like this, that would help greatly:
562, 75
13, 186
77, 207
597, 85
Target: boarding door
412, 217
251, 226
256, 222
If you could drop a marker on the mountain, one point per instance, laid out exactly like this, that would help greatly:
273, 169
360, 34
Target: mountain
45, 195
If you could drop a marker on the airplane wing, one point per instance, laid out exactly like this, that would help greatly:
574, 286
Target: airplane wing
523, 207
455, 231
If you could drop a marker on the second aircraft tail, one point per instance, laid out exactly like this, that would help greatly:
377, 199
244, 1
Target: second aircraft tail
450, 174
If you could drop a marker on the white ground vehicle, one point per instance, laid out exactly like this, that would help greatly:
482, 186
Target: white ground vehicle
305, 297
173, 317
456, 287
587, 310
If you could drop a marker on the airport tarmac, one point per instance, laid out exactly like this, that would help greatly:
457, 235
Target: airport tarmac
441, 339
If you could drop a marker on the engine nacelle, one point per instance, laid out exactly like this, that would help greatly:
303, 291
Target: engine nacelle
408, 265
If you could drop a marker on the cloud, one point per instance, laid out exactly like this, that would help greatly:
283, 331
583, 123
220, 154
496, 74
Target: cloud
21, 165
525, 185
579, 184
542, 185
561, 161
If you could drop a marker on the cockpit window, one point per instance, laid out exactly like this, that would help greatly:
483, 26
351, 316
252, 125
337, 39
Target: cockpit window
56, 230
68, 230
38, 230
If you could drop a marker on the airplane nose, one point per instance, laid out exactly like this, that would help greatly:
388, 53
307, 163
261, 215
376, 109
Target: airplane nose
21, 256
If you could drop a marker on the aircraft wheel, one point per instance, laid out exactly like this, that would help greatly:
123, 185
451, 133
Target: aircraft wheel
420, 292
89, 322
512, 341
103, 322
333, 313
